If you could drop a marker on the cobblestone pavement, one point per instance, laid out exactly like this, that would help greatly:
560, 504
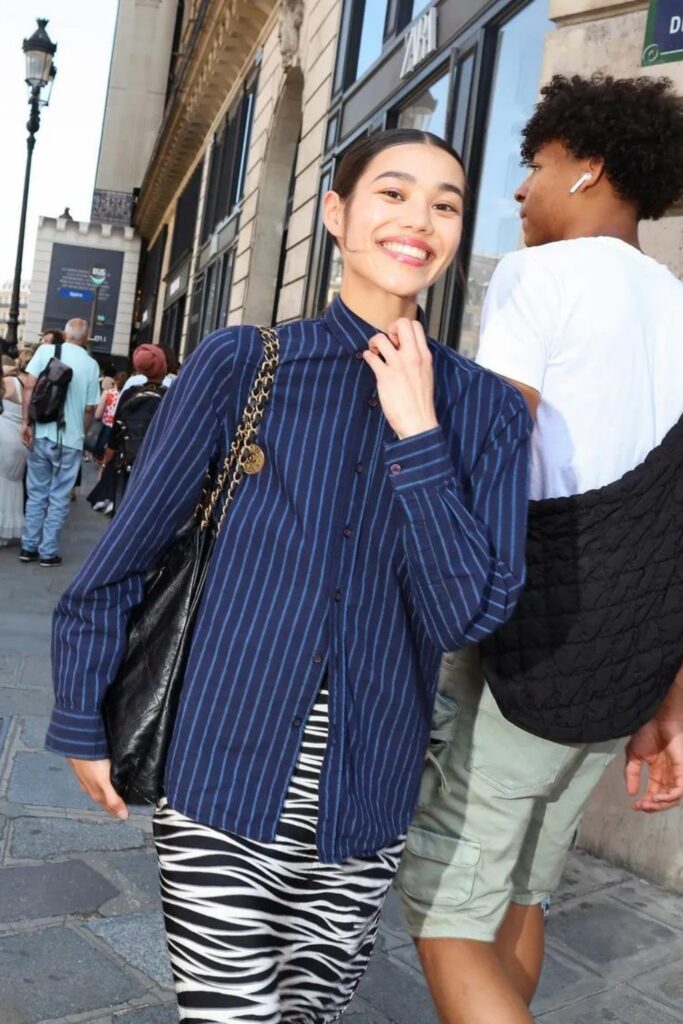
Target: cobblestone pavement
80, 928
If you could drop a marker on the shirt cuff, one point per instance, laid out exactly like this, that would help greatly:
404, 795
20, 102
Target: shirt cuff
419, 461
78, 734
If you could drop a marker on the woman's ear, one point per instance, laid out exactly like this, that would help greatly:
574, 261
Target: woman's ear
333, 215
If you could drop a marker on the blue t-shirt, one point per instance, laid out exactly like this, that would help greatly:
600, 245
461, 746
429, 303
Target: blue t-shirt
83, 390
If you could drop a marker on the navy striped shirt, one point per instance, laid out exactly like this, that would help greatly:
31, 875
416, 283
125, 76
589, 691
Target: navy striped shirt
352, 554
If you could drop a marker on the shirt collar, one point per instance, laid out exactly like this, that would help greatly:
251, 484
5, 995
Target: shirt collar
351, 330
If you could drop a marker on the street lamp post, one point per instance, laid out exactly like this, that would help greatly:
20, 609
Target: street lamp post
40, 72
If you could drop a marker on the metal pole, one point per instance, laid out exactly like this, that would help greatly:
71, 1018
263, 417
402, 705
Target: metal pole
93, 313
33, 124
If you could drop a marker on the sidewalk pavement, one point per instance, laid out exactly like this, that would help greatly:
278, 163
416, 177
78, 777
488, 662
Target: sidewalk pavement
81, 936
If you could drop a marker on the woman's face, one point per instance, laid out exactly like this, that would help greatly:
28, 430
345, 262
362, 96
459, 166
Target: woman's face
401, 227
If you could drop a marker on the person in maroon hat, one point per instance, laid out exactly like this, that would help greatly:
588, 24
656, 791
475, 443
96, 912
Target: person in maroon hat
134, 413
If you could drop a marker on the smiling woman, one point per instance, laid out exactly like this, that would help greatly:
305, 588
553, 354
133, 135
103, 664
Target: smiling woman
385, 525
397, 228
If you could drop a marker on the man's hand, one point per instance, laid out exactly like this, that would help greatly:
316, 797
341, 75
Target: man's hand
94, 779
659, 745
402, 364
27, 435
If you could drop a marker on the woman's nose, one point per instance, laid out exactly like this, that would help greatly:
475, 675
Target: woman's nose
417, 215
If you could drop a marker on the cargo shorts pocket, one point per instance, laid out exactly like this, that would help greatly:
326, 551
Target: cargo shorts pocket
438, 870
444, 718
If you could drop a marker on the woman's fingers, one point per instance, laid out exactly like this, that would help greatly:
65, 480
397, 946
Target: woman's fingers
381, 346
94, 779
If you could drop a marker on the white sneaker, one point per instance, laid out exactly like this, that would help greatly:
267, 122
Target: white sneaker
109, 508
100, 506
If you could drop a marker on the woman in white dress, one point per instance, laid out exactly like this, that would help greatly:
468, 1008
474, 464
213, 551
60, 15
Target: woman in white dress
12, 462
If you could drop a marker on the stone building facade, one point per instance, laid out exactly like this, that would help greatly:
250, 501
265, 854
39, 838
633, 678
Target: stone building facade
227, 204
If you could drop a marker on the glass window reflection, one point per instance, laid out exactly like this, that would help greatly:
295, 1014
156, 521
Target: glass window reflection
427, 111
418, 7
515, 90
372, 34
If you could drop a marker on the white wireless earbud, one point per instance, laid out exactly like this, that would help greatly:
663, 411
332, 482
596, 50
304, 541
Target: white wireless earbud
586, 176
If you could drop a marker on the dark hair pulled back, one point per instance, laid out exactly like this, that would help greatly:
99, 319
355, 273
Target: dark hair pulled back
355, 161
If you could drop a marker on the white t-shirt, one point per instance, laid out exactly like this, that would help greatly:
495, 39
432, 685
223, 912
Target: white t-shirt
594, 326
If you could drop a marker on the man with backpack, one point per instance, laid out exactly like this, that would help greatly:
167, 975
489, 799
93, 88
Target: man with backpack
58, 404
134, 413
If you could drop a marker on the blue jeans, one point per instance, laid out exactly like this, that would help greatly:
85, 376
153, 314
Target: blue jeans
51, 472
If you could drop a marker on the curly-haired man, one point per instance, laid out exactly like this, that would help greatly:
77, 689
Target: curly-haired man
588, 327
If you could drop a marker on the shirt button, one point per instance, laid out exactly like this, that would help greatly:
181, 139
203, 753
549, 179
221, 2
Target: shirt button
373, 403
348, 531
359, 355
296, 723
317, 657
337, 595
395, 468
360, 468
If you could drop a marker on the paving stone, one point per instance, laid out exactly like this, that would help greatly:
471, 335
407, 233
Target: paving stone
141, 941
35, 838
584, 874
9, 669
562, 981
665, 983
614, 1007
36, 670
141, 869
14, 700
45, 974
152, 1015
652, 901
397, 992
604, 932
33, 730
46, 780
67, 887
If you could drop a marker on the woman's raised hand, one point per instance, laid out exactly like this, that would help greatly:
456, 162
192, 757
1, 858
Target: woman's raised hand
94, 779
402, 364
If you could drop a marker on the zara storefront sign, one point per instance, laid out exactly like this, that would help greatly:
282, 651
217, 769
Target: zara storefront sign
421, 41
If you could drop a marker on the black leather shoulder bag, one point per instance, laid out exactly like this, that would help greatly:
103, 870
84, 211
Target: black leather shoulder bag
139, 707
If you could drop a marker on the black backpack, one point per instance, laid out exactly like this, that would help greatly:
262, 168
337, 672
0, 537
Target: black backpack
135, 415
49, 393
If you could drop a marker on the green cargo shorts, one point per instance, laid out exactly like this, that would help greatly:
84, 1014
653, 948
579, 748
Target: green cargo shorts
498, 812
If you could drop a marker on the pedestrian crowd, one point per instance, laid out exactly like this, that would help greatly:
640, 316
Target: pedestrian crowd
58, 409
422, 602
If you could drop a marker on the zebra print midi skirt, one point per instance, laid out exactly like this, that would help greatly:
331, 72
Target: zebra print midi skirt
264, 932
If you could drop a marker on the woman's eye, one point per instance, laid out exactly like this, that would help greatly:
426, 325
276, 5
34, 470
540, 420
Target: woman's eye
447, 207
392, 193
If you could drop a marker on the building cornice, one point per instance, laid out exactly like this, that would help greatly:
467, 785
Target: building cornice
219, 42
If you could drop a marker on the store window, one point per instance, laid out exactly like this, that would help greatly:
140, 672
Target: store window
148, 288
185, 218
227, 171
515, 91
216, 294
373, 14
427, 110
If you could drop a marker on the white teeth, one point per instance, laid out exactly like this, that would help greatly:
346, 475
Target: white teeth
406, 250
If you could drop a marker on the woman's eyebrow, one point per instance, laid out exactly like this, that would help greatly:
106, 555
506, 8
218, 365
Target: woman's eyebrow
444, 186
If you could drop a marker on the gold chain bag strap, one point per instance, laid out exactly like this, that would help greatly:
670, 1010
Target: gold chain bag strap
245, 456
140, 706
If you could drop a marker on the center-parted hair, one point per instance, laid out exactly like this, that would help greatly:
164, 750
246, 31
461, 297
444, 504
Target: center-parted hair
634, 124
358, 156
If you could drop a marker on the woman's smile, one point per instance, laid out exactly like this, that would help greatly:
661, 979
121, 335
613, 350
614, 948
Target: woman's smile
411, 251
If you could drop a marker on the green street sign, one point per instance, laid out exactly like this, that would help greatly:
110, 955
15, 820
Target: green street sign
664, 33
